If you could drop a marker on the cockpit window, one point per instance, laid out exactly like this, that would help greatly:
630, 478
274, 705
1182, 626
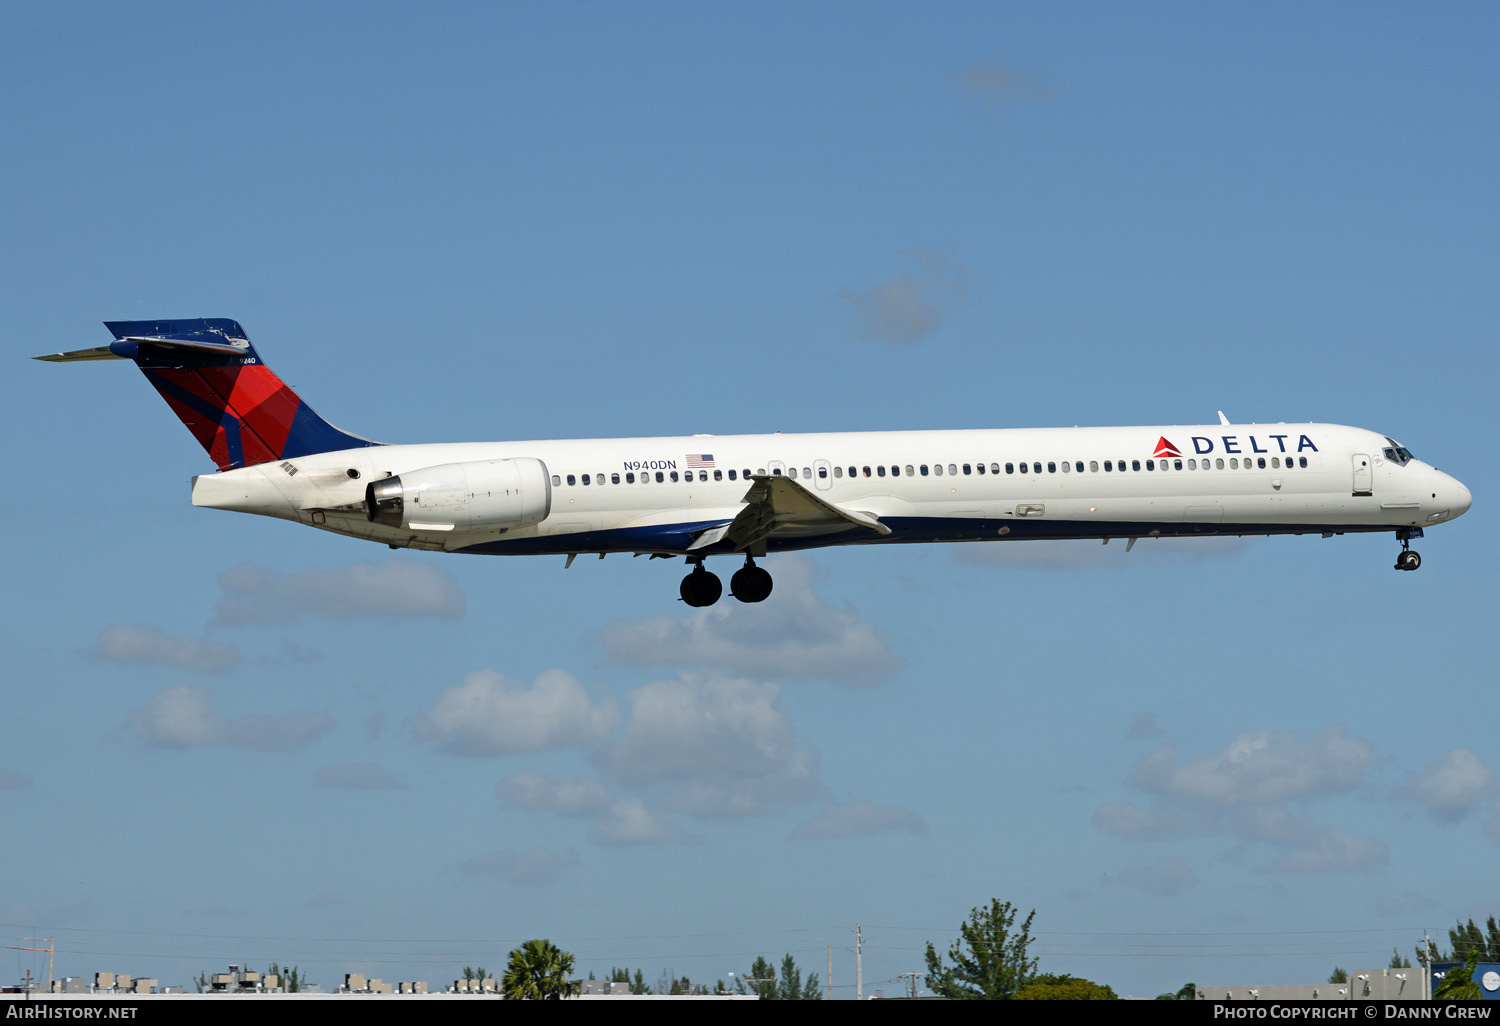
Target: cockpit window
1397, 453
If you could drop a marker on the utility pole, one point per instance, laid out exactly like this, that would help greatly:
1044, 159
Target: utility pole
859, 965
50, 949
912, 990
828, 986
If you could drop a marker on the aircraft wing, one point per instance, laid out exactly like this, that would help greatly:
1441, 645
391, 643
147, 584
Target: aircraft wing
778, 507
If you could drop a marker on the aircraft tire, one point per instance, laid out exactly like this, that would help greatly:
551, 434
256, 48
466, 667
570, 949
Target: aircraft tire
701, 588
750, 584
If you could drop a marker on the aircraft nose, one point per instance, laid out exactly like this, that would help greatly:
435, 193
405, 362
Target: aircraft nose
1462, 498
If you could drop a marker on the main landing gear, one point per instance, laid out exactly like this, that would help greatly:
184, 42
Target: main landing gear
1408, 560
749, 584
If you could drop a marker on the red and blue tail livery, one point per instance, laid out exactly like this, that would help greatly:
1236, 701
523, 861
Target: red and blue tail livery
214, 380
728, 498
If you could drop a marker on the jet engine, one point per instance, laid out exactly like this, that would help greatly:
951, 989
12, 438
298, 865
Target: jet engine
474, 496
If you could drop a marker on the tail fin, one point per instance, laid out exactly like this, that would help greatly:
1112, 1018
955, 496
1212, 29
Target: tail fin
213, 379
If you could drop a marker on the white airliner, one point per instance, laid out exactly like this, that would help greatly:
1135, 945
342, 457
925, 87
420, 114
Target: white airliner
743, 496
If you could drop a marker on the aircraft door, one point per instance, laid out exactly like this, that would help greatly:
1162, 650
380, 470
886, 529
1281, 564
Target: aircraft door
1364, 475
822, 474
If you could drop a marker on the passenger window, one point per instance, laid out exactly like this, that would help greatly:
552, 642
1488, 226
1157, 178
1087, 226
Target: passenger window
1078, 465
979, 467
777, 471
731, 475
660, 478
1067, 467
1051, 468
896, 471
1261, 462
924, 470
614, 479
1010, 468
966, 469
1107, 467
1151, 464
938, 470
586, 479
1136, 464
1192, 464
867, 472
953, 470
908, 470
1275, 462
838, 471
630, 479
556, 481
1219, 463
792, 473
994, 468
1093, 467
822, 473
807, 473
1302, 461
880, 471
673, 475
718, 475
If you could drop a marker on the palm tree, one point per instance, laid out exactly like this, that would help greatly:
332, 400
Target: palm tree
538, 971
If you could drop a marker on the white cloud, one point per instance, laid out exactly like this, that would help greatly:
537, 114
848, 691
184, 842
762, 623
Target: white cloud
994, 82
1165, 878
630, 822
148, 645
1126, 819
182, 716
252, 594
531, 866
858, 819
724, 745
489, 714
542, 792
1454, 787
1260, 766
356, 776
1237, 792
792, 635
910, 306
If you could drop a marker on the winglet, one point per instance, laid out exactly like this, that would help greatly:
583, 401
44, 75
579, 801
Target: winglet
1223, 419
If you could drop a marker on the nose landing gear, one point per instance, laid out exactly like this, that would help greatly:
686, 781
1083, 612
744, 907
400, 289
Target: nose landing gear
1408, 560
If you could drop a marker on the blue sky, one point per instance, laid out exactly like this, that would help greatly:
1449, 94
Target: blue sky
1236, 761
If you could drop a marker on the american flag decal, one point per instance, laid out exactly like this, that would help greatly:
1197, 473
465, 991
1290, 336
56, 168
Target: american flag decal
700, 459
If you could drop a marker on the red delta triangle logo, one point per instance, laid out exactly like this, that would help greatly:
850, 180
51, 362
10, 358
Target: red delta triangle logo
1165, 448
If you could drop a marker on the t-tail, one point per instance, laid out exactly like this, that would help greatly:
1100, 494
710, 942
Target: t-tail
213, 379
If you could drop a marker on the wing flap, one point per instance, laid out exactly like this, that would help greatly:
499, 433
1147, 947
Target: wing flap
778, 507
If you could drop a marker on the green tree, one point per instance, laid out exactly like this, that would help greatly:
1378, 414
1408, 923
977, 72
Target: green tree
1048, 987
764, 975
1339, 975
1458, 983
989, 961
201, 983
1469, 939
538, 971
1397, 962
1187, 992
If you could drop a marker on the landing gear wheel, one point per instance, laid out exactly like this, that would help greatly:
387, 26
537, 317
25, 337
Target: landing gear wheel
1408, 560
701, 588
750, 584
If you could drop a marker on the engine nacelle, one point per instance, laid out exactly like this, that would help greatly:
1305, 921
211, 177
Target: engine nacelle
474, 496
